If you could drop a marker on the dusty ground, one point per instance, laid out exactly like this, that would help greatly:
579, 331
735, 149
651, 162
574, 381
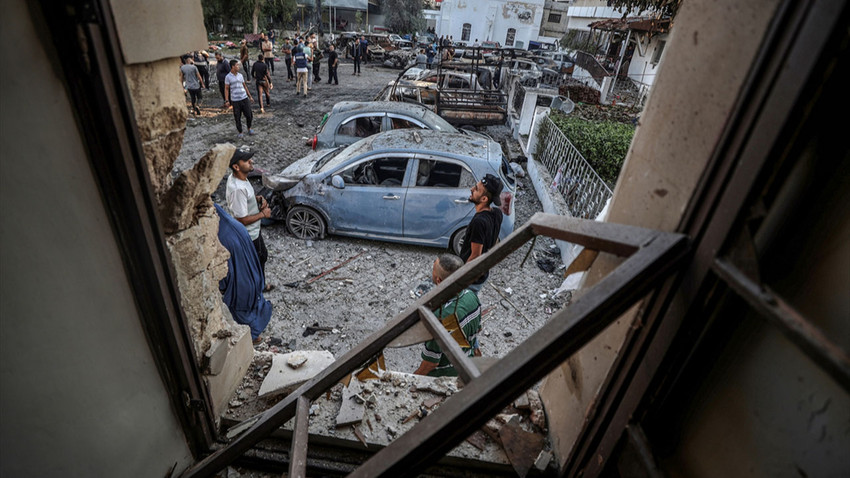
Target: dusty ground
384, 277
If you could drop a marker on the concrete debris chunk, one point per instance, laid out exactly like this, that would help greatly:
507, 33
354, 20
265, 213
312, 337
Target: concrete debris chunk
282, 379
351, 410
538, 415
296, 359
542, 461
522, 403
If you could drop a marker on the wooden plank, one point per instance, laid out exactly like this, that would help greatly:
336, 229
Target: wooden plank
298, 452
466, 370
616, 239
582, 262
564, 334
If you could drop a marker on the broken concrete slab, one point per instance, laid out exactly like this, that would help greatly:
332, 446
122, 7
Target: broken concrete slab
522, 447
352, 408
239, 354
215, 356
283, 379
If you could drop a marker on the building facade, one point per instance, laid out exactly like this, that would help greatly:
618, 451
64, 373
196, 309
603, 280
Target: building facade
511, 23
555, 20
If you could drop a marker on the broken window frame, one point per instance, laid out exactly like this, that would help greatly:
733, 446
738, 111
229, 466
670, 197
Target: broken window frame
651, 257
766, 120
90, 63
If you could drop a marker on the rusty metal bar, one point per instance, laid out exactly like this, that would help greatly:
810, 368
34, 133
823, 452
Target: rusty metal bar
832, 358
298, 451
466, 370
566, 332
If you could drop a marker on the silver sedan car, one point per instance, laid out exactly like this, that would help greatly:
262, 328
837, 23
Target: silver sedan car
406, 185
351, 121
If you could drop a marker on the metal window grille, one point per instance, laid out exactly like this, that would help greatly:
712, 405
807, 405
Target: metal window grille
584, 191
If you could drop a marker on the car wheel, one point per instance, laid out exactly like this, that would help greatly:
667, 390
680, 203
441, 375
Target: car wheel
457, 240
305, 223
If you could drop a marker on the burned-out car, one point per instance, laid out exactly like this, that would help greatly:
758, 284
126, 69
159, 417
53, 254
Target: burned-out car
409, 186
351, 121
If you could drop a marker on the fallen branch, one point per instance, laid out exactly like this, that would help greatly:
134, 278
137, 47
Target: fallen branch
334, 268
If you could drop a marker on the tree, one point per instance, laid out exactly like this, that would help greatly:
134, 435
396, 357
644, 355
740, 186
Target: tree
254, 12
403, 16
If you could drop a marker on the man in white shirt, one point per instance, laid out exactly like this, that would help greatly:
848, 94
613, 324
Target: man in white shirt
246, 207
238, 97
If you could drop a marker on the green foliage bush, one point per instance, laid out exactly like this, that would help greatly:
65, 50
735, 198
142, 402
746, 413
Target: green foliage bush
603, 143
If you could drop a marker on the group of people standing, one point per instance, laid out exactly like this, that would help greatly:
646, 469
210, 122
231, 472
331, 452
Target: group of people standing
302, 57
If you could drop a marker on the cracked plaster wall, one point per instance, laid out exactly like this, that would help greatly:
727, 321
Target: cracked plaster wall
152, 35
684, 116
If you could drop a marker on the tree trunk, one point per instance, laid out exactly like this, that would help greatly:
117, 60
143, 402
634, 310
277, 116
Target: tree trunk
255, 16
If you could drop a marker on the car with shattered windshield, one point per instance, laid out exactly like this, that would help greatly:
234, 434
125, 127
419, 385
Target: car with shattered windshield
409, 186
351, 121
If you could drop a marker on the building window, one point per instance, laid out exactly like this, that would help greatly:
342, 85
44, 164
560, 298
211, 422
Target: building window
656, 57
509, 38
464, 36
554, 18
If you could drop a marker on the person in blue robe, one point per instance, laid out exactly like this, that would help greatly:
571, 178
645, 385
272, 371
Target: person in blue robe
242, 287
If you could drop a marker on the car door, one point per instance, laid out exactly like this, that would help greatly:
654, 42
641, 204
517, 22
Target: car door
358, 127
399, 121
438, 197
371, 203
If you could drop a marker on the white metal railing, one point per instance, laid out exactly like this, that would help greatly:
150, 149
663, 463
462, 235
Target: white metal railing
584, 191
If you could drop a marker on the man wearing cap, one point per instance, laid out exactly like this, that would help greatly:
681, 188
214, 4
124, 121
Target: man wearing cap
483, 230
245, 206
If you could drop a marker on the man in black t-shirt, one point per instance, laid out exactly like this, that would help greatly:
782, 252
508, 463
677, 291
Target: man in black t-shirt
483, 231
333, 63
260, 72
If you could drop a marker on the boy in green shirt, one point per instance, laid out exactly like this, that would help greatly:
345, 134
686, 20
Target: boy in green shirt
461, 316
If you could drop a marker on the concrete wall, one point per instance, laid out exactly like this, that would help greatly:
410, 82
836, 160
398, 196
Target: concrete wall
189, 220
491, 19
682, 120
554, 29
641, 69
80, 394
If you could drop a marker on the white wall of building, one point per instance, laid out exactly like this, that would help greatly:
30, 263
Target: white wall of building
647, 59
491, 19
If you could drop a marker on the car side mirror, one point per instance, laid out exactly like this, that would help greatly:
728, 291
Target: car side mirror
337, 182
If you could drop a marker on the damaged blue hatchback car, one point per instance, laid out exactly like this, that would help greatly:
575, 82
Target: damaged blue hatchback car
409, 186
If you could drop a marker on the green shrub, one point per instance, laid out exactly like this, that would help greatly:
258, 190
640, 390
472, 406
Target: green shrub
603, 143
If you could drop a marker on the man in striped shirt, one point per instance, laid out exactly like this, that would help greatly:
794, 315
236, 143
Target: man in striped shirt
461, 316
238, 96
